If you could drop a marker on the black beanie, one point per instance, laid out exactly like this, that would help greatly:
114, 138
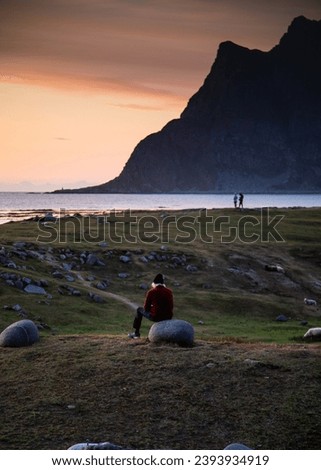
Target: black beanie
159, 279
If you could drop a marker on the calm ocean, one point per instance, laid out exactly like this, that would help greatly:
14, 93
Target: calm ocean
17, 205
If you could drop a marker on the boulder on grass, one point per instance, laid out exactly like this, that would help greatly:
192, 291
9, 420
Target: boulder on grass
172, 331
19, 334
313, 333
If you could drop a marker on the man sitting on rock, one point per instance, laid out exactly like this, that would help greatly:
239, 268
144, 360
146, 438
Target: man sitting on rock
158, 305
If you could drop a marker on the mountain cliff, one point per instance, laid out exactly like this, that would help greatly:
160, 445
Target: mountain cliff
253, 126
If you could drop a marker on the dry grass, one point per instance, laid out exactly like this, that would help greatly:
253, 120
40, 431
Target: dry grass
230, 387
68, 389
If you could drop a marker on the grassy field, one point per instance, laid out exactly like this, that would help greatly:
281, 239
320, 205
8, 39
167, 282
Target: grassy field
249, 377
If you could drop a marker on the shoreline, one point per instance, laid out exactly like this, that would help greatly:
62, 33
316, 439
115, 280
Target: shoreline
52, 215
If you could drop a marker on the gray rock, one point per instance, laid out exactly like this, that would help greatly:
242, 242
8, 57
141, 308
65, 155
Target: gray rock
313, 333
19, 284
102, 285
16, 307
95, 446
237, 446
282, 318
67, 266
143, 286
35, 255
93, 260
274, 267
310, 302
172, 331
32, 289
191, 268
179, 260
19, 334
125, 259
19, 245
96, 298
11, 265
76, 293
49, 217
123, 275
57, 275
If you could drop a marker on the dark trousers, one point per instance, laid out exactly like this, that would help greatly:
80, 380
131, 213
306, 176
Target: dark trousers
140, 313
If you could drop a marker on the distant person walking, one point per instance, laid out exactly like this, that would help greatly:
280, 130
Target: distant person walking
235, 200
158, 305
241, 198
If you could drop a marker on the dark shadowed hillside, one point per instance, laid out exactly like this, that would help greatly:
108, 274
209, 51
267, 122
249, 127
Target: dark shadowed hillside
254, 125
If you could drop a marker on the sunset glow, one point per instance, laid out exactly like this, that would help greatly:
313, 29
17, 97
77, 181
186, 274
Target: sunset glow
81, 83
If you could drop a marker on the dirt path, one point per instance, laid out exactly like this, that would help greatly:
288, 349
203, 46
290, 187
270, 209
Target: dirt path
105, 294
132, 305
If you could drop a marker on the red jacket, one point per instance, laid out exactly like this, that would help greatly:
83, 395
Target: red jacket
159, 303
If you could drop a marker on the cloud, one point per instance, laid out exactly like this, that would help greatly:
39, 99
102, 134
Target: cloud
139, 46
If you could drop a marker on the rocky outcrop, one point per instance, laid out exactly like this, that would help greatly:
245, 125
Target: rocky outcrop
254, 125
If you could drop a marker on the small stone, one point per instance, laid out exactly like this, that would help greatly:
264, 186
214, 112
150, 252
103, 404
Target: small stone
143, 286
93, 260
123, 275
16, 307
282, 318
11, 265
125, 259
102, 285
96, 298
57, 275
191, 268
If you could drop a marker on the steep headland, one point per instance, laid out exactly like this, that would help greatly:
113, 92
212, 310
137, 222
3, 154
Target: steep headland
254, 126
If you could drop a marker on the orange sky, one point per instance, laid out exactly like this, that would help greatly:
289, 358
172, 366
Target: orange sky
82, 82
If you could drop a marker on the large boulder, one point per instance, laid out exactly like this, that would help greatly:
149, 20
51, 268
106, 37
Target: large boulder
19, 334
313, 333
172, 331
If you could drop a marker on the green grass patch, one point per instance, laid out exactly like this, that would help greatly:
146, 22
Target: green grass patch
221, 283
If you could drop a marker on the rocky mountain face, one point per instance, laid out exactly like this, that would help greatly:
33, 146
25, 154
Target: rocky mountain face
254, 125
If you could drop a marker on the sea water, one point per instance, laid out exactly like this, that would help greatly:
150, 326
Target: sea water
19, 205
